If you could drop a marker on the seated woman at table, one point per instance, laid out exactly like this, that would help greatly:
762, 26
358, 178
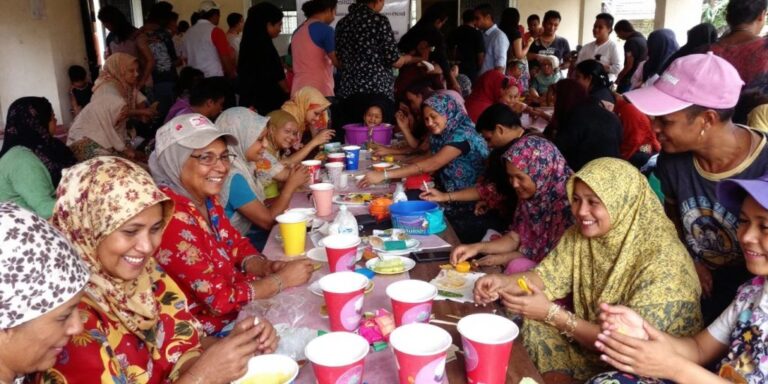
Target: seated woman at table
581, 128
100, 128
36, 323
592, 76
538, 173
409, 121
29, 145
243, 194
457, 158
136, 324
622, 250
217, 268
500, 126
737, 337
310, 109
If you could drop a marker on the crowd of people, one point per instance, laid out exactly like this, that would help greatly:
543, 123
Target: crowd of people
629, 184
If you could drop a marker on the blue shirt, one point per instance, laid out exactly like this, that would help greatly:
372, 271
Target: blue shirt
240, 194
496, 46
323, 36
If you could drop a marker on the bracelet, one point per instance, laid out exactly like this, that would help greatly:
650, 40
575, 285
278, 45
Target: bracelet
386, 177
246, 260
551, 313
279, 282
251, 292
450, 197
421, 170
570, 326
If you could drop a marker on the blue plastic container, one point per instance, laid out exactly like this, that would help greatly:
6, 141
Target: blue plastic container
417, 217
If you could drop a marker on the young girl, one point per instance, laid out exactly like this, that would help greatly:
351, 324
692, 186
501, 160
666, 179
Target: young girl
374, 115
738, 336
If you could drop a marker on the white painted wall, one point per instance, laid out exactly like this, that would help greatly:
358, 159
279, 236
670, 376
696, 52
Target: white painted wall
36, 53
679, 16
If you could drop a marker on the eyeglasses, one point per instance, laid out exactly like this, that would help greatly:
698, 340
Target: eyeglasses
210, 159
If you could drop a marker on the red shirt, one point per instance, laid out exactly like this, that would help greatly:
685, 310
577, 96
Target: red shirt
637, 131
205, 258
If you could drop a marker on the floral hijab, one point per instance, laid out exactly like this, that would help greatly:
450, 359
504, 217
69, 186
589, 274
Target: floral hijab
27, 125
541, 220
461, 172
303, 100
95, 198
115, 70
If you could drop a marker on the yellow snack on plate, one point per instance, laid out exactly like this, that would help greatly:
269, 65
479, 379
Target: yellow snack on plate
389, 266
463, 267
267, 378
524, 286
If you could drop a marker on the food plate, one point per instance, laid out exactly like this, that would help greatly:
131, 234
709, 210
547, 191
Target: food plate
318, 254
410, 244
315, 287
405, 265
357, 198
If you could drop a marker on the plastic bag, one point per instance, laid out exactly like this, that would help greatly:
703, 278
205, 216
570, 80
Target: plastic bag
344, 223
285, 312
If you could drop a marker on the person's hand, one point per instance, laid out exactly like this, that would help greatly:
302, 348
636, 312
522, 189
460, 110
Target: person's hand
227, 359
534, 305
487, 288
266, 340
455, 71
322, 137
382, 151
618, 318
296, 272
401, 118
496, 259
518, 107
464, 252
371, 178
129, 153
434, 195
654, 357
481, 208
529, 41
705, 278
298, 176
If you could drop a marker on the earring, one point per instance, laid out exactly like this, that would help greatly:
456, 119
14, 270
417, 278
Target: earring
701, 133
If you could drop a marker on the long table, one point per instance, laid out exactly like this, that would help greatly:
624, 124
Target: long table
380, 366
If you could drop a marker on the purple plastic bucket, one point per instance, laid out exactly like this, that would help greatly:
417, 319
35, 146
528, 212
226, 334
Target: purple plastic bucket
357, 134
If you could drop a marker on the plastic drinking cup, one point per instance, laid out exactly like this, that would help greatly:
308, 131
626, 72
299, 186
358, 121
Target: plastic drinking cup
411, 301
337, 357
341, 251
293, 229
344, 296
337, 157
322, 194
420, 351
487, 341
352, 153
314, 170
334, 172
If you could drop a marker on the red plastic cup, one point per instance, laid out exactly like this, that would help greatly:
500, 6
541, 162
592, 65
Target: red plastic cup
337, 357
420, 352
342, 252
314, 170
344, 294
487, 341
411, 301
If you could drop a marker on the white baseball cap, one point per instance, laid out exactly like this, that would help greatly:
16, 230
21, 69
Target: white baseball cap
191, 130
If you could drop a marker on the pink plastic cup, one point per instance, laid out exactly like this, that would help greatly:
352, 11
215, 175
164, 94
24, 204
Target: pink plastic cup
411, 301
344, 296
314, 170
337, 357
487, 340
322, 193
420, 352
342, 252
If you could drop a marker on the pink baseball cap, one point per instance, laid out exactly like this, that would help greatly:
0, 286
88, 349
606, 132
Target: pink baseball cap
706, 80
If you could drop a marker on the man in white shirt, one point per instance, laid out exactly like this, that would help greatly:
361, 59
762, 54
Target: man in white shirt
496, 42
206, 44
603, 49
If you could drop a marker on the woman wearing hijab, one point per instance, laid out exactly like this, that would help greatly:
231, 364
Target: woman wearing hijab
662, 44
538, 173
310, 109
490, 88
259, 67
39, 297
581, 127
243, 194
699, 39
136, 324
216, 267
621, 250
100, 128
457, 157
29, 145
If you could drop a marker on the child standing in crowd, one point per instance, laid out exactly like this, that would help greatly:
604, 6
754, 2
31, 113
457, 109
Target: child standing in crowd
549, 75
80, 90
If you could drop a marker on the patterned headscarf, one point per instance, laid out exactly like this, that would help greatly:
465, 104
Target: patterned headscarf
541, 220
303, 100
39, 268
95, 198
463, 171
27, 125
115, 70
624, 265
247, 126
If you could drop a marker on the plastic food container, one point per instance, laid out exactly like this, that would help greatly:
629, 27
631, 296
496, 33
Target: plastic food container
357, 134
417, 217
